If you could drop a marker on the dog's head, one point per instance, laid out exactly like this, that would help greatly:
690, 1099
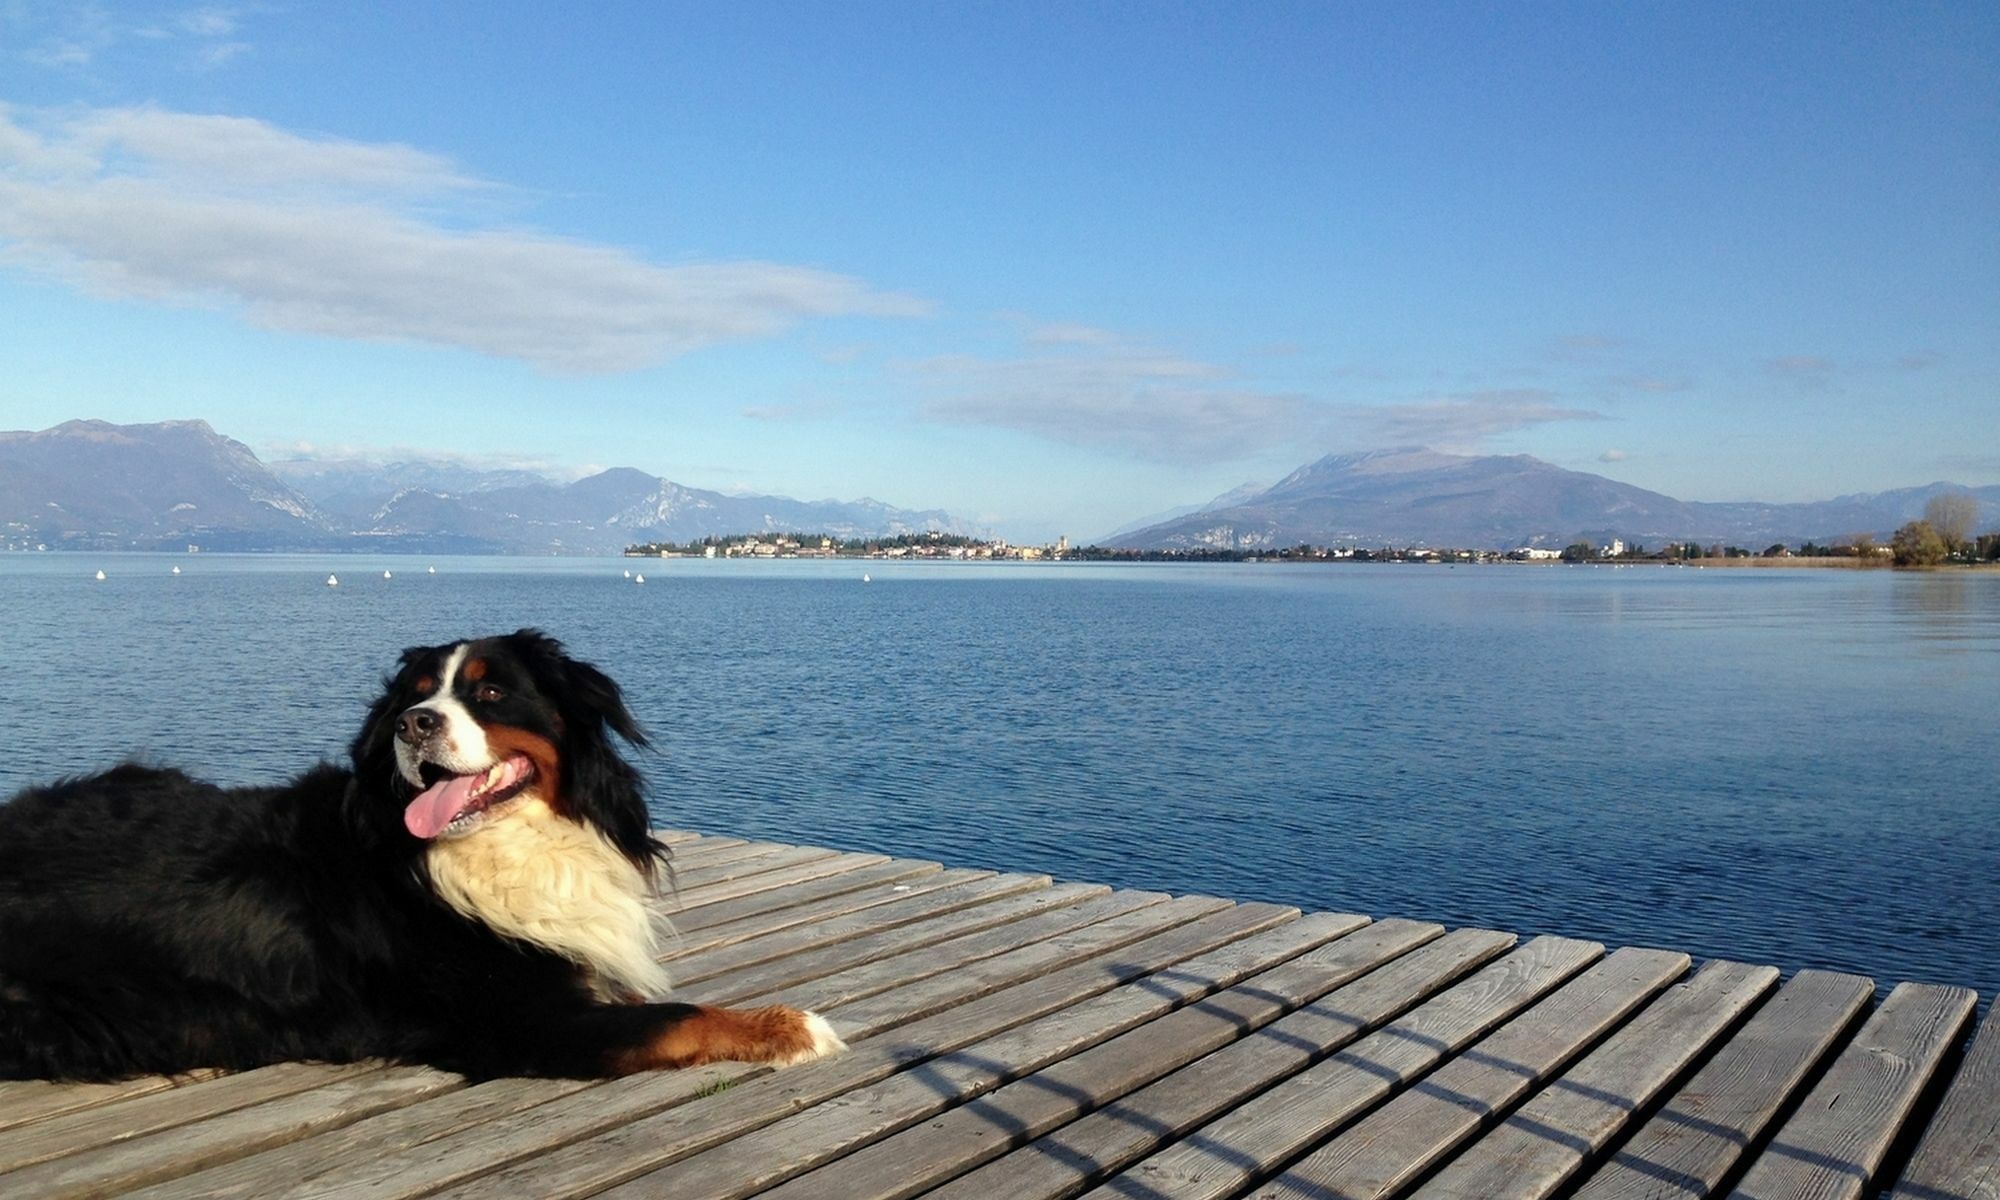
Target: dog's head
467, 732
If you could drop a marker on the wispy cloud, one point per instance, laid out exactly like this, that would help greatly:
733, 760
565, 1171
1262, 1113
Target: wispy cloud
1809, 372
346, 454
1071, 335
1652, 384
1584, 347
1613, 455
1466, 421
796, 410
211, 22
74, 37
1976, 464
1106, 393
366, 241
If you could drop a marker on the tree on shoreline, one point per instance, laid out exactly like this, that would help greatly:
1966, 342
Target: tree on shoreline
1953, 515
1918, 544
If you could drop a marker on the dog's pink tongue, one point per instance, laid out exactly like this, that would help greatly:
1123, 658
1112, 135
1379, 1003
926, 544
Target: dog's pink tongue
434, 808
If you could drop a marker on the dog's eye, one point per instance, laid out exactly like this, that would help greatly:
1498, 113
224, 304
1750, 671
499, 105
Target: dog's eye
487, 693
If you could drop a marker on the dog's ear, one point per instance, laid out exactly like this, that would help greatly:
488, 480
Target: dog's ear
584, 691
598, 784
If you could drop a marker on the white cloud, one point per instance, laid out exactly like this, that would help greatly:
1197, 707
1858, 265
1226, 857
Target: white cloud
1466, 421
355, 454
80, 36
220, 54
1103, 393
1071, 335
211, 22
1613, 455
324, 236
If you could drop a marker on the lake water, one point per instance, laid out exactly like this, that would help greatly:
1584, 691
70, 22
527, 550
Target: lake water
1788, 766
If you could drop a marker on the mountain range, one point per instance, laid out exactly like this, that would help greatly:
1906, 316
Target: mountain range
1416, 497
95, 485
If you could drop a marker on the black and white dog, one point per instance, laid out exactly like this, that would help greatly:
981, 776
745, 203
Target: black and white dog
470, 893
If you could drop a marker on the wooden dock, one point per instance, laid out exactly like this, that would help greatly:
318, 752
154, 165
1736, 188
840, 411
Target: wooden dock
1018, 1037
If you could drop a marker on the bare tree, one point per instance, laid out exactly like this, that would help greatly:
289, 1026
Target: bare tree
1953, 514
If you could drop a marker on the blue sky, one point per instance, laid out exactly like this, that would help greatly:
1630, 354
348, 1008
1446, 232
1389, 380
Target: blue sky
1048, 266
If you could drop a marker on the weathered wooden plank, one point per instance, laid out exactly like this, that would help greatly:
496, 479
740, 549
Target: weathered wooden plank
1833, 1145
681, 943
423, 1121
1698, 1138
675, 837
1553, 1136
1959, 1157
912, 914
639, 1110
785, 1148
768, 857
1385, 1151
917, 1159
691, 881
1263, 1134
101, 1126
1059, 909
296, 1168
716, 850
696, 898
24, 1101
958, 936
1065, 1162
1128, 948
936, 992
139, 1160
791, 896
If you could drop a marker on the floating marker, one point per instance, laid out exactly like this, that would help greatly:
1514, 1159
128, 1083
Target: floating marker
433, 570
333, 581
865, 578
385, 575
639, 579
100, 576
177, 570
628, 574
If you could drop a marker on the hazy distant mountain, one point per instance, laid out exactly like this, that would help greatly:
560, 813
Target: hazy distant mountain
1410, 497
90, 484
1228, 499
98, 484
353, 488
605, 512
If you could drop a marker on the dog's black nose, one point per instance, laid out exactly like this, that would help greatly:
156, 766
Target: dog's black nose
416, 724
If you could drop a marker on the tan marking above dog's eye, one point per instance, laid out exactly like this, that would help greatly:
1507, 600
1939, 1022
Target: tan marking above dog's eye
476, 670
426, 684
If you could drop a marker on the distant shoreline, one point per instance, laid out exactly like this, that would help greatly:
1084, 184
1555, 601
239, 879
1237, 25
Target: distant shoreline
1071, 559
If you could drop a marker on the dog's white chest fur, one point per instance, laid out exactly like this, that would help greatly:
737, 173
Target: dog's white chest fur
534, 876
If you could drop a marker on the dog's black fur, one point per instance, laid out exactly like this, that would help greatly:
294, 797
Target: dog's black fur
151, 922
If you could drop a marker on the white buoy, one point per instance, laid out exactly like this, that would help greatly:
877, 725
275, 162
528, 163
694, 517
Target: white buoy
177, 570
628, 574
385, 575
333, 581
865, 578
433, 570
100, 576
638, 579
